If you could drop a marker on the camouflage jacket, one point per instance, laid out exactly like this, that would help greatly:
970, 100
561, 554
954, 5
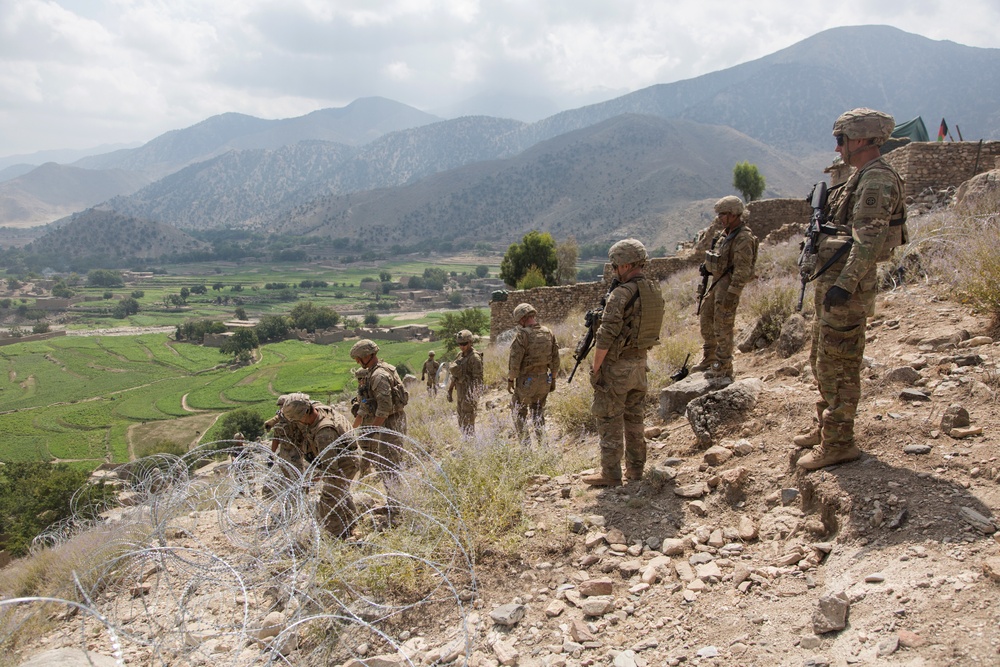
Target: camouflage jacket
621, 312
375, 391
862, 207
736, 249
430, 369
314, 438
533, 352
467, 374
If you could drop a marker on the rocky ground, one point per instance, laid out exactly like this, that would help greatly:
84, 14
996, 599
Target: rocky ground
725, 555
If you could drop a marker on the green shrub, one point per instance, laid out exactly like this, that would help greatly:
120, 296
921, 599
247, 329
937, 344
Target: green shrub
569, 405
144, 449
771, 302
242, 420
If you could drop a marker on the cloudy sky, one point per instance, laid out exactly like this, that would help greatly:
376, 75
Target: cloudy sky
80, 73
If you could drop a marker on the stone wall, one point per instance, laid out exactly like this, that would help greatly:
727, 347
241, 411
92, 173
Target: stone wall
27, 338
940, 165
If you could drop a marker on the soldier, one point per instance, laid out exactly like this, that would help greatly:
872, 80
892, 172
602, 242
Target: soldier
731, 263
467, 379
284, 435
430, 373
318, 429
381, 402
865, 220
630, 326
532, 370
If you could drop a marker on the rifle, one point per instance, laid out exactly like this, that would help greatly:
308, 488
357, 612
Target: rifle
705, 275
810, 246
683, 372
592, 320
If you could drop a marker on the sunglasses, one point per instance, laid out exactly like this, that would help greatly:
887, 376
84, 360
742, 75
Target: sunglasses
840, 139
464, 344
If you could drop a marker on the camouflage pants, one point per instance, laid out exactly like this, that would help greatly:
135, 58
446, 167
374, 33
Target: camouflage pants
432, 386
718, 317
530, 394
467, 415
619, 393
383, 451
838, 348
336, 510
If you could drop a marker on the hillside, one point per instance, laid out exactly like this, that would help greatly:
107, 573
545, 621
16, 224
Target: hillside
619, 178
52, 191
711, 560
789, 99
114, 238
359, 122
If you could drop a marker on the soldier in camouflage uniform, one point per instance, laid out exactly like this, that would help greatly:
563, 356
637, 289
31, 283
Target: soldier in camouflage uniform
731, 263
318, 429
430, 372
284, 435
619, 371
467, 380
381, 402
863, 216
532, 370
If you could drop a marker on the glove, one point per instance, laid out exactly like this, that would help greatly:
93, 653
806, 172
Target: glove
552, 385
510, 386
835, 296
703, 270
451, 398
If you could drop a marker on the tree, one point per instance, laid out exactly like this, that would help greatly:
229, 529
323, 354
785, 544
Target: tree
748, 180
371, 319
482, 271
566, 255
271, 327
241, 420
185, 293
535, 249
475, 320
105, 278
307, 315
435, 278
415, 282
384, 276
532, 279
241, 313
125, 307
242, 340
198, 289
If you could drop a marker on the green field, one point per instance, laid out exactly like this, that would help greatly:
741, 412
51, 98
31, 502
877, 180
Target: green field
73, 398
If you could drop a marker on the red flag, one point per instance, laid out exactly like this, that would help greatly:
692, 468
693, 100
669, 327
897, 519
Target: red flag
943, 130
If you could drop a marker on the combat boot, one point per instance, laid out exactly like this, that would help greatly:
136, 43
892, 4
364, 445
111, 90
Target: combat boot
706, 362
828, 455
633, 474
602, 479
807, 440
719, 370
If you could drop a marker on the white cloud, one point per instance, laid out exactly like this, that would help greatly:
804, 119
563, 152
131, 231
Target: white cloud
76, 73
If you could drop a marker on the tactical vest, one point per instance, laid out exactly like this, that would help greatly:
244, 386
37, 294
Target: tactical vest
842, 202
326, 418
400, 396
537, 344
643, 321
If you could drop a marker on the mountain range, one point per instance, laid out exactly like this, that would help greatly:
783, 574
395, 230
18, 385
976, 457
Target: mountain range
630, 165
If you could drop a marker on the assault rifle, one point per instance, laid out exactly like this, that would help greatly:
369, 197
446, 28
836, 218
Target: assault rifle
591, 320
810, 246
703, 286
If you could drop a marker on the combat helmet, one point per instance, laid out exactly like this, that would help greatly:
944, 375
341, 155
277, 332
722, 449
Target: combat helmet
431, 353
296, 406
463, 336
523, 310
729, 204
628, 251
363, 348
864, 123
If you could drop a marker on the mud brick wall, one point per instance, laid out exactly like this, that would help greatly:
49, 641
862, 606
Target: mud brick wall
940, 165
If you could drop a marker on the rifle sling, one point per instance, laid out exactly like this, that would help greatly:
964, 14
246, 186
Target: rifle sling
716, 281
841, 251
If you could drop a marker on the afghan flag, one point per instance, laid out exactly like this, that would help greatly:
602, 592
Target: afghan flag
943, 130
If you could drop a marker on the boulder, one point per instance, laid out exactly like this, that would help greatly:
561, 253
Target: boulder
709, 413
793, 336
675, 398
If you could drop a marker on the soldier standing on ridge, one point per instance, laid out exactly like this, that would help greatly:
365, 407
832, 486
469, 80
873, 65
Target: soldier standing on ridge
381, 402
429, 372
532, 370
630, 326
318, 428
865, 220
731, 263
467, 380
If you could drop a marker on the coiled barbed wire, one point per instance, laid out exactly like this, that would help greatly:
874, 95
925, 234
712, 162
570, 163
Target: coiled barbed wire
221, 556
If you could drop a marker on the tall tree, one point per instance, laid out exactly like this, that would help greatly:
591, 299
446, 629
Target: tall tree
535, 249
748, 181
567, 253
